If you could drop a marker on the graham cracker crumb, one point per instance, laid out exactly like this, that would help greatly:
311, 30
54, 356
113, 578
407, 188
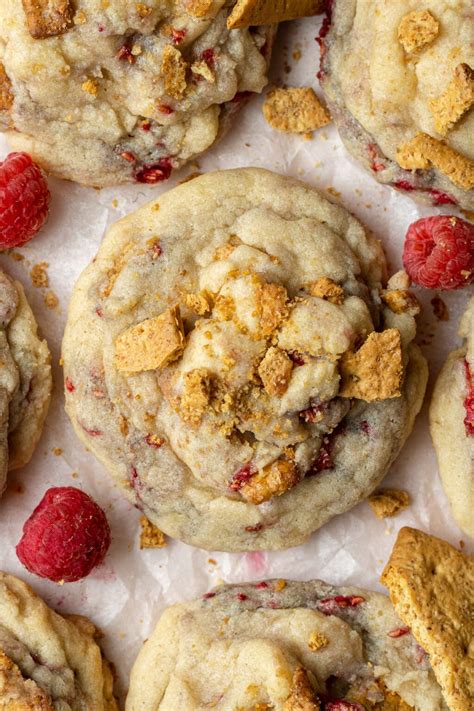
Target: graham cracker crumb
280, 585
317, 641
17, 257
151, 344
48, 18
275, 371
224, 308
143, 10
173, 70
374, 372
401, 301
295, 110
268, 12
151, 536
197, 394
440, 309
51, 300
424, 152
302, 696
39, 275
327, 289
198, 8
200, 303
203, 70
273, 480
389, 502
430, 584
6, 94
57, 451
272, 307
416, 30
455, 101
91, 86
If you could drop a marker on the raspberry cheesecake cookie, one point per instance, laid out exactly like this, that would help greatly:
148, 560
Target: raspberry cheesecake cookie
48, 662
25, 379
280, 645
113, 92
233, 360
452, 425
399, 81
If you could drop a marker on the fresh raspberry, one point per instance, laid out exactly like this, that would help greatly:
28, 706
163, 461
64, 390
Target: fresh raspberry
24, 200
439, 252
66, 536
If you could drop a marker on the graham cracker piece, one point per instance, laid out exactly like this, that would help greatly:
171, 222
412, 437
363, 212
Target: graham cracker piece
151, 536
269, 12
417, 29
18, 693
455, 101
431, 585
374, 372
48, 18
303, 696
151, 344
295, 110
203, 70
198, 8
401, 301
424, 152
273, 480
272, 307
6, 97
197, 394
200, 303
275, 371
173, 69
327, 289
389, 502
317, 641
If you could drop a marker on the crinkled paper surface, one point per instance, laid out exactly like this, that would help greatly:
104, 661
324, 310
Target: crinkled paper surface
127, 594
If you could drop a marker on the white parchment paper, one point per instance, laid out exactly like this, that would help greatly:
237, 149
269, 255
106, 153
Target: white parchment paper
126, 595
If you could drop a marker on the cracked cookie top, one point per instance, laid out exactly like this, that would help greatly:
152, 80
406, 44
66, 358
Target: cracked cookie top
220, 341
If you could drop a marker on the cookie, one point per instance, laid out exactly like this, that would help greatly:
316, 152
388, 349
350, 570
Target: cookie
117, 92
452, 425
399, 83
48, 662
25, 382
281, 645
431, 586
236, 409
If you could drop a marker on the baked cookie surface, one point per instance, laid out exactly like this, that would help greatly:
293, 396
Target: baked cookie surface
48, 662
283, 646
25, 379
452, 425
230, 360
106, 93
399, 81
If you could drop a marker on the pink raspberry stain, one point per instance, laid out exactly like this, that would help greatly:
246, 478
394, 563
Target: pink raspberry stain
154, 173
438, 197
242, 476
469, 401
398, 632
256, 563
374, 153
70, 387
177, 36
332, 605
209, 56
324, 459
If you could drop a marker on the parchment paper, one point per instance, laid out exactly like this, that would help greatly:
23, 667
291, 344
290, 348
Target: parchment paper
128, 593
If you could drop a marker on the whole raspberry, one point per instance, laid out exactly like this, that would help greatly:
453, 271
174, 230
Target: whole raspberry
24, 200
65, 537
439, 252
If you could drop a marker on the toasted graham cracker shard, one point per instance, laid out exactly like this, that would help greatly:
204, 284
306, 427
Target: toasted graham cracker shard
424, 152
151, 344
389, 502
173, 69
431, 585
275, 371
18, 693
197, 394
198, 8
273, 480
6, 98
317, 641
295, 110
456, 100
269, 12
416, 30
374, 372
325, 288
303, 696
401, 301
150, 535
48, 18
272, 307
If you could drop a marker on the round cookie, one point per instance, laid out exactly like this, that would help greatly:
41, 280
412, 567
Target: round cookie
107, 93
283, 645
25, 382
229, 359
399, 81
452, 425
48, 662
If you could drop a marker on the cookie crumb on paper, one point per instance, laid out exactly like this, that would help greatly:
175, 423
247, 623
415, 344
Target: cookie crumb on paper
51, 300
269, 12
295, 110
39, 275
389, 502
440, 309
151, 536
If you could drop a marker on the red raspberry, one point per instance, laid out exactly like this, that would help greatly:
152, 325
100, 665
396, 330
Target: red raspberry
24, 200
65, 537
439, 252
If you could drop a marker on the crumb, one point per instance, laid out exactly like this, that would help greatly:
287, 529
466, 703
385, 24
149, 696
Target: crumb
455, 101
295, 110
39, 275
150, 535
327, 289
317, 641
440, 309
401, 301
16, 256
273, 480
275, 371
416, 30
173, 70
269, 12
57, 451
389, 502
51, 300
